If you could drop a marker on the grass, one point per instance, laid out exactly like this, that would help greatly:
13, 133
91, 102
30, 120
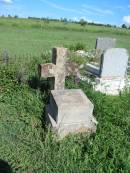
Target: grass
26, 143
24, 38
29, 146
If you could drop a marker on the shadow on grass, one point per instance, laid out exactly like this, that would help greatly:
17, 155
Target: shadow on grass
44, 85
5, 167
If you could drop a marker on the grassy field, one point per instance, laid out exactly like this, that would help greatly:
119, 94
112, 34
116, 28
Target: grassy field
21, 37
25, 141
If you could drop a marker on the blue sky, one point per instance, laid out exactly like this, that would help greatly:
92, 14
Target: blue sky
100, 11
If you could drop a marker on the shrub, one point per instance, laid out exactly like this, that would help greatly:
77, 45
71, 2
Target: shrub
82, 22
77, 59
76, 46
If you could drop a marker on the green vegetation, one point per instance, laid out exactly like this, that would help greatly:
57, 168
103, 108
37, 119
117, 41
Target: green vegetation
26, 143
32, 37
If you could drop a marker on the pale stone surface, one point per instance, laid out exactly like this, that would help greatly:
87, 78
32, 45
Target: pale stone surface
114, 63
93, 69
110, 86
105, 43
111, 77
70, 111
58, 69
80, 53
102, 44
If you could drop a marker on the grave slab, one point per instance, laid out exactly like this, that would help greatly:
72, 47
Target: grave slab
93, 69
70, 111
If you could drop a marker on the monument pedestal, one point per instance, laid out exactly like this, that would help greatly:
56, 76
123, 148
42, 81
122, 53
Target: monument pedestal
70, 111
110, 86
111, 76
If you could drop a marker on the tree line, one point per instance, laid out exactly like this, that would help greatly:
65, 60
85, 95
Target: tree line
82, 22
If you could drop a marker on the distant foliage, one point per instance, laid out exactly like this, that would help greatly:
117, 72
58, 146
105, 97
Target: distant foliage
16, 17
82, 22
124, 26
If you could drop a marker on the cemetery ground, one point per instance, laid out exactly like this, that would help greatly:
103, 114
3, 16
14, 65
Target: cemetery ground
26, 143
22, 36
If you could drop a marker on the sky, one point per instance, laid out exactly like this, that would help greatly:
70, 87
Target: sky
115, 12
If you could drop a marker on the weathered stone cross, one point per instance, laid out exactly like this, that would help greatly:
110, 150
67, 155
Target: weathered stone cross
58, 69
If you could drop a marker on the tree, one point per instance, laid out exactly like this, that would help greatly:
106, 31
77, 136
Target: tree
9, 16
16, 16
82, 22
124, 26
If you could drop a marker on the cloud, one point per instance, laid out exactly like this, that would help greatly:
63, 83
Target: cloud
83, 11
6, 1
86, 19
90, 12
120, 7
126, 20
57, 6
97, 10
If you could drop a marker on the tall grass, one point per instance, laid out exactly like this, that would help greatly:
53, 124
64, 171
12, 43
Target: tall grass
30, 146
26, 36
30, 23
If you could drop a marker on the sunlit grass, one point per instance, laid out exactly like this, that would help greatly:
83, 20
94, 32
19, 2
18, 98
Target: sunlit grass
25, 142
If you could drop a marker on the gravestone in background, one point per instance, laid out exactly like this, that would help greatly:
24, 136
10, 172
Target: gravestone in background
114, 63
111, 76
102, 44
105, 43
69, 111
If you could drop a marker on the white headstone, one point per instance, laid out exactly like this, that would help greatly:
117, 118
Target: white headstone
114, 63
112, 74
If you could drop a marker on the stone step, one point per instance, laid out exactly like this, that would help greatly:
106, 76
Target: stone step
92, 69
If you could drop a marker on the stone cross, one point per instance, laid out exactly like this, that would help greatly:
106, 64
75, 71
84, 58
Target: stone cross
58, 69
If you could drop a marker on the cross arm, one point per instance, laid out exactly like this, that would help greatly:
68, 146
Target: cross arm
47, 70
72, 68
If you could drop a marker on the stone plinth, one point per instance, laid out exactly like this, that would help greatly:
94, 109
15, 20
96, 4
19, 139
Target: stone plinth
93, 69
110, 86
112, 75
70, 111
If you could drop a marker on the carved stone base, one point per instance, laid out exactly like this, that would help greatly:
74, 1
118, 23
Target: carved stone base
70, 111
110, 86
